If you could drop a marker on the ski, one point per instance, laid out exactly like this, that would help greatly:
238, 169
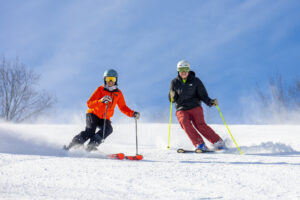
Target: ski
194, 151
118, 156
136, 157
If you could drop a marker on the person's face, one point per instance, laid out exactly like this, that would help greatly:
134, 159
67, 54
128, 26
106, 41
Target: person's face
183, 72
110, 81
183, 75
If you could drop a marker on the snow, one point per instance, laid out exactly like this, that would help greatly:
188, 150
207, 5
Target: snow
33, 166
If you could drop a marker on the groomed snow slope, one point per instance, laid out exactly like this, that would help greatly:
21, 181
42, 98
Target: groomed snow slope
33, 166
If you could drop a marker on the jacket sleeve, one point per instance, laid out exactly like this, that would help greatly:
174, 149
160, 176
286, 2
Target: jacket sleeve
123, 107
202, 93
94, 99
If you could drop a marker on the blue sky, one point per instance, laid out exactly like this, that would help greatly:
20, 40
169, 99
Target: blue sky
231, 45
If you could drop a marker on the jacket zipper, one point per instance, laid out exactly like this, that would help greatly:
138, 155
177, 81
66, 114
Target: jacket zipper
112, 101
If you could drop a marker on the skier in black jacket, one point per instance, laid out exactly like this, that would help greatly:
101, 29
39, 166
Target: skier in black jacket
188, 91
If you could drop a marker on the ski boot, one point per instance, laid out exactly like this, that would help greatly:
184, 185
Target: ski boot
76, 142
220, 145
71, 146
95, 141
92, 146
201, 147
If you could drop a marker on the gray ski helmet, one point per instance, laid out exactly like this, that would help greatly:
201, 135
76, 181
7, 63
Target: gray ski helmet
183, 64
110, 72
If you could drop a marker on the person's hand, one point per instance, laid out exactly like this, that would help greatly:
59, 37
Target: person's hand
106, 99
136, 115
214, 102
172, 94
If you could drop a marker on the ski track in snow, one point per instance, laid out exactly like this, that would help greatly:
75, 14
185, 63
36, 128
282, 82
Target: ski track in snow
33, 166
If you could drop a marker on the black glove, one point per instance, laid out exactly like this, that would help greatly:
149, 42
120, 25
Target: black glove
136, 115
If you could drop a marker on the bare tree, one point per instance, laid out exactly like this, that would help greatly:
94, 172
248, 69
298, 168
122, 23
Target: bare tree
279, 102
294, 92
19, 99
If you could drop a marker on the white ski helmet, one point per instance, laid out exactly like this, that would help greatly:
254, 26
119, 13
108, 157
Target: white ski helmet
183, 64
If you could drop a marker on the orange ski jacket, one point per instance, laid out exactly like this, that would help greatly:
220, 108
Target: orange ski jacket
98, 108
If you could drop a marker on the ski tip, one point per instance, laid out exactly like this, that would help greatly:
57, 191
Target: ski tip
180, 150
139, 157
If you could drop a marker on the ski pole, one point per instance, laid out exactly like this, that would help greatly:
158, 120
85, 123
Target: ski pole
136, 138
104, 125
168, 147
229, 130
137, 155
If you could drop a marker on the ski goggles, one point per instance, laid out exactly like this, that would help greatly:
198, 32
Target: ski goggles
183, 69
110, 78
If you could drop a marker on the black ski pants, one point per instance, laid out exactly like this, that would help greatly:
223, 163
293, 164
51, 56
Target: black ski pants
92, 123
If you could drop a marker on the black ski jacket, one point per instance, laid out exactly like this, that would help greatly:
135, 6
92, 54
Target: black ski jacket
189, 95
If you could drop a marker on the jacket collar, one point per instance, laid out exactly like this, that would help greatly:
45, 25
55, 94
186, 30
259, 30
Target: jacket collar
111, 89
190, 77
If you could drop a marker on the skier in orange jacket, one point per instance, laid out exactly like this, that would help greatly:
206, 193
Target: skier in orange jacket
101, 105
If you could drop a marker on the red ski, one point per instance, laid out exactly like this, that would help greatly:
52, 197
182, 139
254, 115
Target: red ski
119, 156
136, 157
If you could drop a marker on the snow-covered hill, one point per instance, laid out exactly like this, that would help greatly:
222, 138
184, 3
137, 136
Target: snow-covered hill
33, 166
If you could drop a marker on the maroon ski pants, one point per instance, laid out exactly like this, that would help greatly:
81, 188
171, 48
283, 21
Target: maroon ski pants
192, 121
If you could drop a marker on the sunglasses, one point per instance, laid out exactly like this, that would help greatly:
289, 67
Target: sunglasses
110, 78
183, 69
